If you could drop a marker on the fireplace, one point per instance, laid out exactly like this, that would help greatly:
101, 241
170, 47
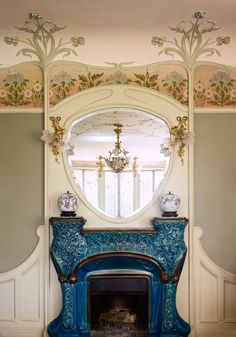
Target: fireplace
118, 283
118, 303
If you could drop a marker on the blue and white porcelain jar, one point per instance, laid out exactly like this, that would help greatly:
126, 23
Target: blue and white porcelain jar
169, 204
68, 204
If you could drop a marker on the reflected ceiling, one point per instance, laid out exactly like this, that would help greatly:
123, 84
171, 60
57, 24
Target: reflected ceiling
95, 135
117, 31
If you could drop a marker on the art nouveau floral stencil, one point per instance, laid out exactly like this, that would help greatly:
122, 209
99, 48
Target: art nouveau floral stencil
66, 80
61, 85
22, 85
18, 90
176, 86
217, 88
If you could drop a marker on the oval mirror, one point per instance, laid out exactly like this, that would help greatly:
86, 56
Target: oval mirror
116, 160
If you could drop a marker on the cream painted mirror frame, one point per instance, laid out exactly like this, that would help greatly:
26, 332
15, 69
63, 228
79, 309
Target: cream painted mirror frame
130, 97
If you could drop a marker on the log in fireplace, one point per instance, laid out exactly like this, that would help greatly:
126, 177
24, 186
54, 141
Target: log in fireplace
118, 283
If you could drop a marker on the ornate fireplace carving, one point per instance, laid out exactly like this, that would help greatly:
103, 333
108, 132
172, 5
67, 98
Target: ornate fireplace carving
158, 254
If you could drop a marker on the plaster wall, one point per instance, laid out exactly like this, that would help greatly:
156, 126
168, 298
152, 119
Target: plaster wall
215, 198
21, 181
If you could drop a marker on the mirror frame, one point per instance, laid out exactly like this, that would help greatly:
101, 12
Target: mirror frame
81, 115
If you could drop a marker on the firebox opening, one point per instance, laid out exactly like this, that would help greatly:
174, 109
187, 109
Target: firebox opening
119, 302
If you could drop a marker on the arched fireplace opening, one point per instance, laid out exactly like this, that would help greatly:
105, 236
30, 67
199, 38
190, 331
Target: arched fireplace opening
118, 303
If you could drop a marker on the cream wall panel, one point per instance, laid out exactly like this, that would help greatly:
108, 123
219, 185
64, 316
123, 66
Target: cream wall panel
214, 296
22, 292
230, 301
208, 296
7, 296
30, 291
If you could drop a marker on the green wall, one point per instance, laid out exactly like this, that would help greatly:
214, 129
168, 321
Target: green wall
215, 186
21, 186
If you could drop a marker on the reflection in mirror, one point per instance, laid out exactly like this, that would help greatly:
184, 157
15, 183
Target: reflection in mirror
117, 161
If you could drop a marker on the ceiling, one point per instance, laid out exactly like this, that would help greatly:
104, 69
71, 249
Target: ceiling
116, 31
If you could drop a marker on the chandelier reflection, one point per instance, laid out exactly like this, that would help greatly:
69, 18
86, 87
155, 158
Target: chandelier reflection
118, 158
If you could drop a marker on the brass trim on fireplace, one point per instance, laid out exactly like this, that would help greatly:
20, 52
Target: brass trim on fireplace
118, 275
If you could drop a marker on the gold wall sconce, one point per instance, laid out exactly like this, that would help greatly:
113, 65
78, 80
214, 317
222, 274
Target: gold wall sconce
179, 137
55, 139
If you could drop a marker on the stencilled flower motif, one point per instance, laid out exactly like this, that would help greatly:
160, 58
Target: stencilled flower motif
208, 93
14, 77
19, 91
173, 77
37, 94
222, 85
35, 16
199, 87
62, 84
199, 14
3, 93
233, 93
158, 40
222, 40
176, 85
199, 94
117, 77
62, 76
11, 40
28, 93
90, 80
146, 80
220, 77
77, 41
37, 87
15, 84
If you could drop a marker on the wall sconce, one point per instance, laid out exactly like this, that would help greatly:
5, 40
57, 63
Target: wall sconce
55, 139
180, 138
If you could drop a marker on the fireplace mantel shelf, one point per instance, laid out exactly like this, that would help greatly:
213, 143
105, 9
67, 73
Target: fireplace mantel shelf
78, 254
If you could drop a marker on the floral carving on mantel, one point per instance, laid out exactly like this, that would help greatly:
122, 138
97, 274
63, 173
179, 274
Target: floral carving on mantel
192, 44
43, 45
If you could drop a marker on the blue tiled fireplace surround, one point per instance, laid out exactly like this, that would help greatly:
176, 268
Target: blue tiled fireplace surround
79, 254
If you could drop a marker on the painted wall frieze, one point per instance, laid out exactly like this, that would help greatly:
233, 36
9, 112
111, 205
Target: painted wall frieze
214, 86
21, 86
66, 79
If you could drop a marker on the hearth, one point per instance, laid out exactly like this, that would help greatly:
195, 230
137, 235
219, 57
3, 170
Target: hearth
118, 303
118, 283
